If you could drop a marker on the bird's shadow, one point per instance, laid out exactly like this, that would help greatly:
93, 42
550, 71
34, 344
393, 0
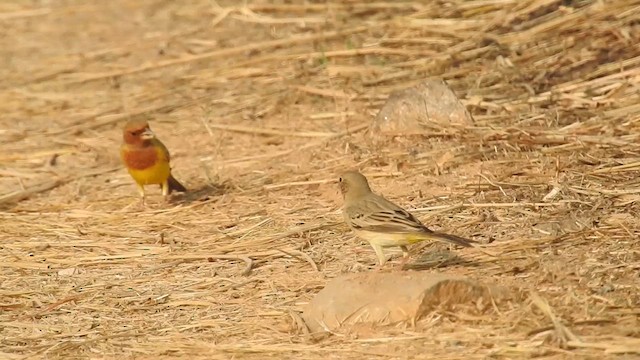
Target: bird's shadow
437, 259
202, 193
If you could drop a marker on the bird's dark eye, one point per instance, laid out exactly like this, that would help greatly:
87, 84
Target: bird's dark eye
340, 180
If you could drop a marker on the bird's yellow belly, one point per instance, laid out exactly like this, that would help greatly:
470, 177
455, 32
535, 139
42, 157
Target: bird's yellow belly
389, 239
155, 174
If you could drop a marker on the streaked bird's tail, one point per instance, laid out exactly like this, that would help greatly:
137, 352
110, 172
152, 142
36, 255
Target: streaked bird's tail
452, 239
175, 185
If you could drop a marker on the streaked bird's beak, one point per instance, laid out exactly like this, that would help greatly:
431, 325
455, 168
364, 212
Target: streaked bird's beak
147, 134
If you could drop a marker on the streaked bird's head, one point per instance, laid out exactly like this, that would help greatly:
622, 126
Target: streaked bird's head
353, 185
137, 132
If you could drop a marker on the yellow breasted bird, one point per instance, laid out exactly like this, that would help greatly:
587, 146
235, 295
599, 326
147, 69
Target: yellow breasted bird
381, 222
147, 159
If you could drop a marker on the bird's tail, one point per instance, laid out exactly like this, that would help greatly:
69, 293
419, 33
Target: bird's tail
175, 185
452, 239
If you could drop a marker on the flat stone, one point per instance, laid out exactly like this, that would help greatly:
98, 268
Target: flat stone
381, 299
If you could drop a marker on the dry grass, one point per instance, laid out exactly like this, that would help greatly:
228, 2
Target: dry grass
262, 105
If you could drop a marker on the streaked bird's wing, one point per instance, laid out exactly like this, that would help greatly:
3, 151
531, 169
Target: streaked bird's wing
375, 213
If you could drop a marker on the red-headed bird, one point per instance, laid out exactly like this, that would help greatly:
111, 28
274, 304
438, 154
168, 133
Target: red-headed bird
147, 159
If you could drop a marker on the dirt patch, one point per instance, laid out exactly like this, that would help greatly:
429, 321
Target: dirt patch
262, 104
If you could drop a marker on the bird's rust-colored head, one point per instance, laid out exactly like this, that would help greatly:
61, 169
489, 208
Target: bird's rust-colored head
137, 132
354, 185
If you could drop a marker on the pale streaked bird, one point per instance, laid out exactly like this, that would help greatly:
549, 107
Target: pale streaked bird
383, 223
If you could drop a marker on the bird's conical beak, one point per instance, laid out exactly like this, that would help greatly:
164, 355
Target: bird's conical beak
147, 134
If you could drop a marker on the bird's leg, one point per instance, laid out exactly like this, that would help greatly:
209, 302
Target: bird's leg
165, 190
142, 195
405, 256
405, 251
382, 259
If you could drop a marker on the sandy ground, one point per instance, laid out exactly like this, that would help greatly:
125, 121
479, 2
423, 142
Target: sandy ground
262, 105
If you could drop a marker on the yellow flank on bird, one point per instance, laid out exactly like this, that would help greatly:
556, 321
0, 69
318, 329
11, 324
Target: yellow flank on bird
416, 238
391, 239
157, 173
